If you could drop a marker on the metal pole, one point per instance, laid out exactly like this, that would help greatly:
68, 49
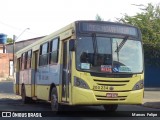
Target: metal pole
14, 37
14, 40
21, 33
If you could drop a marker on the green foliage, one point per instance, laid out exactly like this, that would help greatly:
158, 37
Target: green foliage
152, 54
98, 18
9, 40
149, 23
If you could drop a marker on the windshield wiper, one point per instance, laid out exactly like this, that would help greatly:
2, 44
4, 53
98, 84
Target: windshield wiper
121, 44
95, 49
94, 43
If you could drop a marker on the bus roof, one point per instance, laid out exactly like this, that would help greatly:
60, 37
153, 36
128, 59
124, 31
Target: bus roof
35, 46
60, 33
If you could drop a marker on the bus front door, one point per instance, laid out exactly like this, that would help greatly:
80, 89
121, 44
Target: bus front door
66, 72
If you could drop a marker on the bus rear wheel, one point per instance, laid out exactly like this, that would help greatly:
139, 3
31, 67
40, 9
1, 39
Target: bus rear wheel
110, 107
55, 106
23, 95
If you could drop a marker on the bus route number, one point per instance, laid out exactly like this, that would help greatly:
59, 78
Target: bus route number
100, 87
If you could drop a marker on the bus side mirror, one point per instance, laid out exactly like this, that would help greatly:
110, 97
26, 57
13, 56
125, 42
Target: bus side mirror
72, 45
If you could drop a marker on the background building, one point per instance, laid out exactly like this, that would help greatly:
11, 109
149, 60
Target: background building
6, 54
21, 44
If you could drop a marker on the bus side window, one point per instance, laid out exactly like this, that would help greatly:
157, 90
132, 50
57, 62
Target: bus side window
29, 56
26, 57
23, 61
54, 46
43, 58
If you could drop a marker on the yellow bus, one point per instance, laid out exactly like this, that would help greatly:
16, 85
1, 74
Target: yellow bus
84, 63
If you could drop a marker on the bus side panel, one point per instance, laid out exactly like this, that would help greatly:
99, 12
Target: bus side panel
45, 76
25, 78
33, 89
42, 92
42, 82
16, 84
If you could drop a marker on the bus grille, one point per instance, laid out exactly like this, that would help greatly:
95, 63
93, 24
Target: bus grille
111, 82
111, 75
119, 98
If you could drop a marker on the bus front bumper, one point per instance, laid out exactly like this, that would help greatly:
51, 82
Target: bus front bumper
82, 96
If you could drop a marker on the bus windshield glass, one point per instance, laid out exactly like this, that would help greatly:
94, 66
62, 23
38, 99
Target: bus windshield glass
109, 55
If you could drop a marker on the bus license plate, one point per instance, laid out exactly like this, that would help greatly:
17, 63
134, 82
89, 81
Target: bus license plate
100, 87
112, 95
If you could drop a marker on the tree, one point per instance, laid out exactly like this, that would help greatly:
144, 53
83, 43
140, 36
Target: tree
98, 18
149, 23
9, 40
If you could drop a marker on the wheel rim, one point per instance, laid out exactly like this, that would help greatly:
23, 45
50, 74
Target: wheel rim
23, 95
54, 103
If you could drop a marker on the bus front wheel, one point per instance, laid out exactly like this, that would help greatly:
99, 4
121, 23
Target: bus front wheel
55, 106
110, 107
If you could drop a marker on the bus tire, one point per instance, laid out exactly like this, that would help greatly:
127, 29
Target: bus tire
110, 107
23, 95
55, 106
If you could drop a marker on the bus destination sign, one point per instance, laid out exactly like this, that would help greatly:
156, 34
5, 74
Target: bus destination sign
108, 28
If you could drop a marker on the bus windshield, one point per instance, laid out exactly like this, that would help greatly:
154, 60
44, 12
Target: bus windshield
109, 55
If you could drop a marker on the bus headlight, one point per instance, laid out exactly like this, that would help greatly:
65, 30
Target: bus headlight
139, 85
80, 83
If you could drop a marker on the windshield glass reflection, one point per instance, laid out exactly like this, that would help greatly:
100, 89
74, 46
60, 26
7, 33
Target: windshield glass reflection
102, 54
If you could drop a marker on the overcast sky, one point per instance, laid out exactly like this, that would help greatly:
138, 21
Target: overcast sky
46, 16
